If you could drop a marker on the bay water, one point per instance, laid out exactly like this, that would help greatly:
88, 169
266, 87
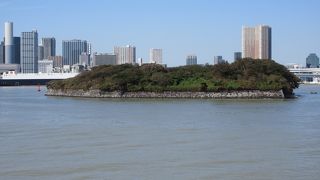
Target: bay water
81, 138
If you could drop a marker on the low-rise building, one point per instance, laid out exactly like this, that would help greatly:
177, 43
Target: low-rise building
84, 59
45, 66
104, 59
57, 61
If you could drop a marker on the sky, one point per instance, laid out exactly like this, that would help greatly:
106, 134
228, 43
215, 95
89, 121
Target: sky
206, 28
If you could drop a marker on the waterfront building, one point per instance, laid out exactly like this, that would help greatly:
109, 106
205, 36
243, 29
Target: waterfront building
218, 60
71, 50
257, 42
9, 67
40, 52
312, 61
125, 55
104, 59
45, 66
57, 61
191, 60
155, 56
307, 75
29, 52
49, 47
237, 56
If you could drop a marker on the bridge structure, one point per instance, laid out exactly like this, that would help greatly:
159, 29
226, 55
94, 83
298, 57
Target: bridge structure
307, 75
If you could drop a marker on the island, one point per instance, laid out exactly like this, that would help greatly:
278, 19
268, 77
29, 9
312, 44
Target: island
246, 78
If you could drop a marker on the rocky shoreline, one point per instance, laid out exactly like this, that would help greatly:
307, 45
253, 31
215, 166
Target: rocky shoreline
245, 94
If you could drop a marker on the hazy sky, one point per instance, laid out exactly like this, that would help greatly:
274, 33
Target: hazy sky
180, 27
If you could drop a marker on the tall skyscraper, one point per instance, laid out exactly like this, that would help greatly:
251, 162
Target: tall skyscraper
312, 61
156, 56
191, 60
49, 47
11, 51
89, 48
218, 60
41, 52
16, 50
257, 42
125, 55
29, 52
8, 42
237, 56
1, 52
71, 50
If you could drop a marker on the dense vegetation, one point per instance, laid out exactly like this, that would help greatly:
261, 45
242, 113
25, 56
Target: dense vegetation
246, 74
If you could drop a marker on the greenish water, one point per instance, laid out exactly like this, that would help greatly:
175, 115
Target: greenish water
74, 138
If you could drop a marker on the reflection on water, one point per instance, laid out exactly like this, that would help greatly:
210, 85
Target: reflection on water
74, 138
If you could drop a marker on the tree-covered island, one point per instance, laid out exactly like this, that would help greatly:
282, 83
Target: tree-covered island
242, 75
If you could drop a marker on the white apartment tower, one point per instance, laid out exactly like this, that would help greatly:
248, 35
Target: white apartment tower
257, 42
155, 56
125, 55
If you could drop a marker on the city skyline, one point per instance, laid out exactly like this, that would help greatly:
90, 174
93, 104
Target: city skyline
214, 28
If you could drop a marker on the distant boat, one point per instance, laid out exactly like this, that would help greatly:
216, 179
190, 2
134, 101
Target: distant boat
313, 92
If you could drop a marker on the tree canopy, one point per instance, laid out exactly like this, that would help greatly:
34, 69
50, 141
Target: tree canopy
245, 74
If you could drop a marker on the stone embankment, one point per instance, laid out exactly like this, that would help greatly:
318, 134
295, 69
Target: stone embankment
250, 94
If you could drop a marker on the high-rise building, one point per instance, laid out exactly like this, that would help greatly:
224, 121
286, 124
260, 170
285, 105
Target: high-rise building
11, 46
218, 60
71, 50
156, 56
237, 56
40, 52
125, 55
1, 52
191, 60
140, 61
49, 47
29, 52
257, 42
312, 61
16, 50
104, 59
8, 42
248, 42
89, 48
